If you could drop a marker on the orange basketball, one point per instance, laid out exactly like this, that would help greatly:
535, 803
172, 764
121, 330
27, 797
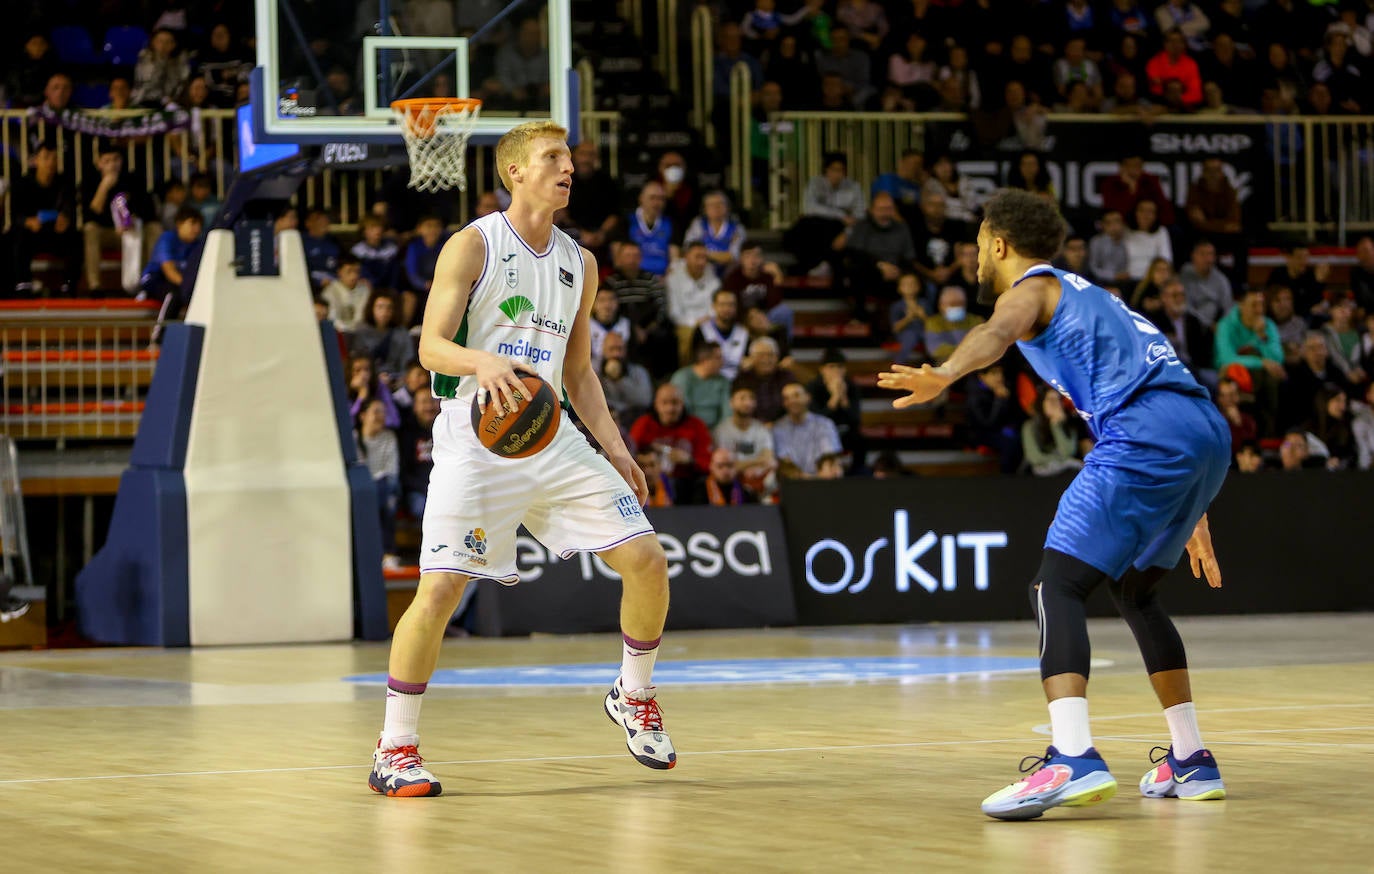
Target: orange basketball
525, 431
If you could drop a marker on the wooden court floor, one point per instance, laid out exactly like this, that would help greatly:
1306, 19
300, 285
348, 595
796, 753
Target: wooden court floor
255, 759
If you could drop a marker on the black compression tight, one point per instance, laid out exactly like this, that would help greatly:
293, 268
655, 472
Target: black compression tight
1136, 596
1058, 596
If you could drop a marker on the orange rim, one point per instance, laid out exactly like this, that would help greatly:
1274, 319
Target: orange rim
420, 115
434, 104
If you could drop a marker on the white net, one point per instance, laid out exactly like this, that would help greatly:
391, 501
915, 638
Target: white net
436, 134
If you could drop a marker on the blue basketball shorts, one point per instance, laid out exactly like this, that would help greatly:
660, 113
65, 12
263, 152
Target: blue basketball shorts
1160, 461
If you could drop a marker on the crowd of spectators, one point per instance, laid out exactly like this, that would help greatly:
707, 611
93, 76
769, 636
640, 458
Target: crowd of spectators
126, 55
1008, 62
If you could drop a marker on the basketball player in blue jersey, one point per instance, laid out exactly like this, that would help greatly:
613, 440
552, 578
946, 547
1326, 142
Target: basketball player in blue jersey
514, 293
1161, 454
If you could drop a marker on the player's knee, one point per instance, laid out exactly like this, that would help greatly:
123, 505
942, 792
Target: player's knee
1127, 600
1137, 590
439, 594
640, 561
1063, 574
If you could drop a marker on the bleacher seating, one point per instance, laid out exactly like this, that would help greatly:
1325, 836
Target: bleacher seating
73, 45
122, 45
75, 368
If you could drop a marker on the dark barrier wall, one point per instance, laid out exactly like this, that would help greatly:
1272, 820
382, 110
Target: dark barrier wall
918, 550
727, 567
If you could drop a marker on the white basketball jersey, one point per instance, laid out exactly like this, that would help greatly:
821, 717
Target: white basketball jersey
523, 305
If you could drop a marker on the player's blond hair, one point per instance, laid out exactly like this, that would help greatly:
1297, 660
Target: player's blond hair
514, 146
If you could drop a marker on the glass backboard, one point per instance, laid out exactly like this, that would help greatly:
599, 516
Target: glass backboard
328, 70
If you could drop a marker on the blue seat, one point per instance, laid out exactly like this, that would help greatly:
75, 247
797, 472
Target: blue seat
73, 45
91, 95
122, 45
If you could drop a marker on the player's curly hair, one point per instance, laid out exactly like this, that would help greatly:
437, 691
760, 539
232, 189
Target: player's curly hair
1029, 222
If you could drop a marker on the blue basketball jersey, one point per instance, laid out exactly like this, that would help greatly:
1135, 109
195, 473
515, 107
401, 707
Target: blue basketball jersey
654, 241
1100, 353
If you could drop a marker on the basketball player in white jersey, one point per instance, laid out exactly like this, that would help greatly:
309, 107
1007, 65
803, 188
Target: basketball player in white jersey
513, 293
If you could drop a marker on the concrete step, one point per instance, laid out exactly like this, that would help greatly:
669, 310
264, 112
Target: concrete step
857, 357
947, 462
819, 305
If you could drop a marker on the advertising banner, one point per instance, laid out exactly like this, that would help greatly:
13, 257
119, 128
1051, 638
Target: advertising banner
727, 568
1079, 154
920, 550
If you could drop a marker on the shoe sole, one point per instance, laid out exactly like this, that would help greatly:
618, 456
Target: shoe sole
1205, 790
419, 790
643, 760
1086, 791
1208, 793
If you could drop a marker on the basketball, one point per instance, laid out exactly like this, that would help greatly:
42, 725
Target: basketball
527, 430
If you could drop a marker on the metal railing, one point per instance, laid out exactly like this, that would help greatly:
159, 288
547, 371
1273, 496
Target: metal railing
666, 58
210, 146
633, 12
1312, 174
74, 377
703, 64
872, 141
738, 174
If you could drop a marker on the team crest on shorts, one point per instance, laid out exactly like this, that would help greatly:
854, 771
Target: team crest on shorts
629, 508
476, 541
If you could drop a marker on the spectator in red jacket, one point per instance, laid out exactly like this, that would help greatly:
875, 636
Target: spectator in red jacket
683, 442
1174, 63
1131, 185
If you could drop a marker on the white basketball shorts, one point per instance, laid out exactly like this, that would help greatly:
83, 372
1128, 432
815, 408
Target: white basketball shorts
568, 496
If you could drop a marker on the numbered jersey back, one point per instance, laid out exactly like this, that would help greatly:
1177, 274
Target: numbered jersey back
1099, 353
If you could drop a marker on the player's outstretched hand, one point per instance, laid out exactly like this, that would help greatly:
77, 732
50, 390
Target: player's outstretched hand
628, 468
1201, 556
497, 381
922, 383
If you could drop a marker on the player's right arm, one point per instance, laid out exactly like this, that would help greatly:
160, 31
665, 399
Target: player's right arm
1016, 315
457, 271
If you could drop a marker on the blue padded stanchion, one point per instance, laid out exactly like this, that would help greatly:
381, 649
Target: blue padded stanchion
134, 591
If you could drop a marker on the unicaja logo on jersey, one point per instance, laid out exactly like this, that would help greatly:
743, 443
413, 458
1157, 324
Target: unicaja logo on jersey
516, 307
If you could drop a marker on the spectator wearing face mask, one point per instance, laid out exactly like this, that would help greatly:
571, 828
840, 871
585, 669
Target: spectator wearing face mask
682, 200
948, 327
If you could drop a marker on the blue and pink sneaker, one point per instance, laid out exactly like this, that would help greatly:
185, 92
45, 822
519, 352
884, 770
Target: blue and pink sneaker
1196, 778
1070, 781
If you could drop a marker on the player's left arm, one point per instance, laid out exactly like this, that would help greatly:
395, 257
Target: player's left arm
584, 388
1016, 314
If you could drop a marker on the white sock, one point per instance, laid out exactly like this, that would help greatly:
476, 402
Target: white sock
1069, 723
637, 662
402, 724
1183, 729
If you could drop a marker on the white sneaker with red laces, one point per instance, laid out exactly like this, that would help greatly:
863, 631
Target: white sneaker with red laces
399, 772
637, 712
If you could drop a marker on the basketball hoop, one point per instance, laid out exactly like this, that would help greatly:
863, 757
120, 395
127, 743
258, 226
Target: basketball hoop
436, 132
